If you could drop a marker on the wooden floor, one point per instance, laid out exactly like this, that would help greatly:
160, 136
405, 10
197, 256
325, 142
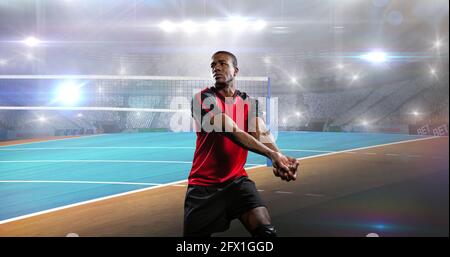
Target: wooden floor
331, 193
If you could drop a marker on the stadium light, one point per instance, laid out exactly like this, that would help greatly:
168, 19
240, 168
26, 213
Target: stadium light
189, 26
68, 93
433, 71
212, 27
340, 66
237, 23
294, 80
267, 60
79, 115
415, 113
42, 119
167, 26
375, 57
365, 122
298, 114
31, 41
234, 23
29, 56
259, 25
437, 44
3, 62
355, 77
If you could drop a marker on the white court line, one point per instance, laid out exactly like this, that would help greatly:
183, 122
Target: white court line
283, 192
167, 147
305, 150
158, 147
80, 182
392, 154
49, 140
182, 181
368, 147
107, 161
83, 182
314, 195
135, 147
96, 147
95, 161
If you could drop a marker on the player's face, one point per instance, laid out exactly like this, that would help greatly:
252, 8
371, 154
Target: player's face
222, 69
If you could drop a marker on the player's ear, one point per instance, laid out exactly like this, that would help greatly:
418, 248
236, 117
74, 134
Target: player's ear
236, 71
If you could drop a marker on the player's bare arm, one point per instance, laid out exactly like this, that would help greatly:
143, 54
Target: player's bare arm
282, 164
263, 135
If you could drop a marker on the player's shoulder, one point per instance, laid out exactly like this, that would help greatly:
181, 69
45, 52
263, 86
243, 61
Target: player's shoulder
246, 97
204, 93
242, 95
208, 91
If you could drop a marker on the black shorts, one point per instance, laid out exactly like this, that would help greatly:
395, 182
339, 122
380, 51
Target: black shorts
209, 209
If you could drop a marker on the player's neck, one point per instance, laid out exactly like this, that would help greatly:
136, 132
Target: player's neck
228, 90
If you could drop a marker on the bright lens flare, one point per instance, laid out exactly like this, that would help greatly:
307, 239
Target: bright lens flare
189, 26
237, 23
167, 26
68, 93
31, 41
375, 57
259, 25
212, 27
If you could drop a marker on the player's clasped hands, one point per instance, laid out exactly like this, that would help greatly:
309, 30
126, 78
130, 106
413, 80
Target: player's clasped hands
285, 167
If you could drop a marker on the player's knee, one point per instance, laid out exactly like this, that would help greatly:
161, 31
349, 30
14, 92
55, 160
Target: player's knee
265, 231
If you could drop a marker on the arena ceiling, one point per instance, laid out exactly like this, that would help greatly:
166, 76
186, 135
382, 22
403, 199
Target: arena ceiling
303, 41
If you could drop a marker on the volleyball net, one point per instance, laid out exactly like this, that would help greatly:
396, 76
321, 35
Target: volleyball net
47, 105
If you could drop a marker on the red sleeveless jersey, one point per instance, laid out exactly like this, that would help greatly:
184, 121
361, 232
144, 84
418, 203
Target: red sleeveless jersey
218, 159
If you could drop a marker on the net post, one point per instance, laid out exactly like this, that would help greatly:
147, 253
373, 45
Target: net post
268, 161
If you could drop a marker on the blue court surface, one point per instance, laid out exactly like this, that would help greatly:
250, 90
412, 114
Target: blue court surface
39, 176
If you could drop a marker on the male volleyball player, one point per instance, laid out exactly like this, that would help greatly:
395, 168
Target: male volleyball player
219, 189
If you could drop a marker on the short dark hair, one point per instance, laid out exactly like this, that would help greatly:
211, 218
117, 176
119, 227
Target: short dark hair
233, 57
